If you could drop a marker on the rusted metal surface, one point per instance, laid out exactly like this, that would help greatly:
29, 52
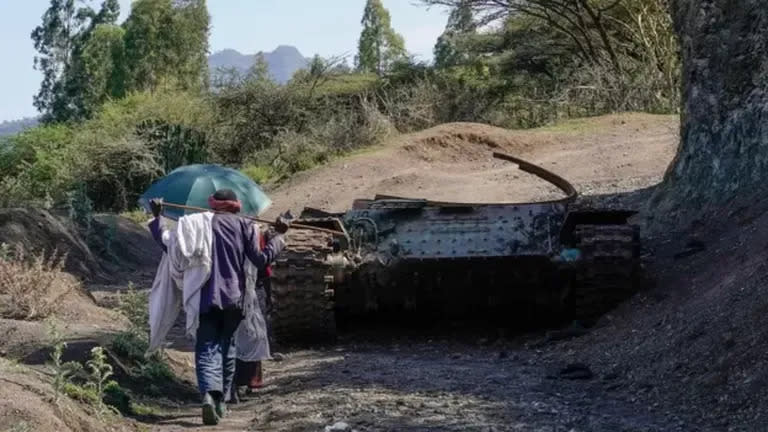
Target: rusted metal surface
522, 260
419, 229
440, 232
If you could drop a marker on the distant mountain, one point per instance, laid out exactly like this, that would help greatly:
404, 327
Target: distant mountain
283, 62
13, 127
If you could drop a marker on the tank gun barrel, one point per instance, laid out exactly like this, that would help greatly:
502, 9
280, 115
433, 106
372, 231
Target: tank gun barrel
544, 174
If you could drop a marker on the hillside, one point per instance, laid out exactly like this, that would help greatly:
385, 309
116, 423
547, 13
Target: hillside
12, 127
452, 162
283, 62
680, 356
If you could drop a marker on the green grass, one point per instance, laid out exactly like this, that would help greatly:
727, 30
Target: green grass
143, 410
137, 216
261, 174
583, 125
578, 125
347, 84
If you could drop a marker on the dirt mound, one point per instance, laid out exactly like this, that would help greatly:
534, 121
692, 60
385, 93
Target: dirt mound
115, 245
461, 142
27, 404
41, 231
26, 394
453, 162
112, 240
127, 247
696, 343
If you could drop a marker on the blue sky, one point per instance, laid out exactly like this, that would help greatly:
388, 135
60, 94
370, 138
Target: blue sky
325, 27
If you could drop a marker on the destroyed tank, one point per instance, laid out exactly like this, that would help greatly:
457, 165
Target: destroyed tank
520, 265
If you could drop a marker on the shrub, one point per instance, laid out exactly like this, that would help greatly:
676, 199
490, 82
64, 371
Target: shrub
261, 174
132, 345
99, 378
62, 371
115, 155
138, 216
134, 304
36, 164
32, 284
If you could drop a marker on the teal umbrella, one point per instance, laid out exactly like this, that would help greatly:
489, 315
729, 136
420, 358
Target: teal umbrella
191, 185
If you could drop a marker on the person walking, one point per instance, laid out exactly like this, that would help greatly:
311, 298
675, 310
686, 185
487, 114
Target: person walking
249, 374
225, 243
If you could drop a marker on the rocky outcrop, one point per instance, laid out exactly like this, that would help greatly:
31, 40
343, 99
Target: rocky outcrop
723, 155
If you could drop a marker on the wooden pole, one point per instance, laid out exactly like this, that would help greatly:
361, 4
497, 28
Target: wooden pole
255, 219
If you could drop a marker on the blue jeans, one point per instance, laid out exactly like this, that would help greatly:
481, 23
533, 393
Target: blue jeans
215, 351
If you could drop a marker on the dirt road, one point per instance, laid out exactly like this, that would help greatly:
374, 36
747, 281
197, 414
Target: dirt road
433, 385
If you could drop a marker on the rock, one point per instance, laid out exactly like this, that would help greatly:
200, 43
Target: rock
573, 331
576, 371
693, 247
338, 427
728, 340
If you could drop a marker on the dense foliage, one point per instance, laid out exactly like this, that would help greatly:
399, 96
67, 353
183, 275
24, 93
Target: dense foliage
126, 103
87, 59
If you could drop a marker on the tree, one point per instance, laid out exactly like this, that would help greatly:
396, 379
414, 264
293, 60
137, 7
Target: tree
61, 39
97, 61
722, 158
53, 40
191, 29
103, 66
379, 46
166, 44
448, 50
586, 23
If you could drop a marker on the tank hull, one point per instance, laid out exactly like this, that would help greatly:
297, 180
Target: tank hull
515, 264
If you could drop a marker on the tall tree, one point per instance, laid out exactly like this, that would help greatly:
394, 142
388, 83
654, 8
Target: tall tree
97, 60
379, 46
588, 24
61, 39
721, 162
461, 24
54, 39
166, 44
190, 40
102, 63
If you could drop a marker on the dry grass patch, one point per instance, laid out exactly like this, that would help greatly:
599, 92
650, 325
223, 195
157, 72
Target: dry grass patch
32, 283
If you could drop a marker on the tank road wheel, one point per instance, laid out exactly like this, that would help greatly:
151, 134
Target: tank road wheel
609, 269
303, 308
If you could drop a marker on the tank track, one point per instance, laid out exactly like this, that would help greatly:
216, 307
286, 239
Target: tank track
303, 312
609, 271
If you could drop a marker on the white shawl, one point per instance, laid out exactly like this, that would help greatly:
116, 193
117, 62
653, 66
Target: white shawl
187, 264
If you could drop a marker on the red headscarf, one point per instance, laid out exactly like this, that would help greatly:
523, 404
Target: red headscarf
230, 206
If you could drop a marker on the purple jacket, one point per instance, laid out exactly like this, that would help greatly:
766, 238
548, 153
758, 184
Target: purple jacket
235, 239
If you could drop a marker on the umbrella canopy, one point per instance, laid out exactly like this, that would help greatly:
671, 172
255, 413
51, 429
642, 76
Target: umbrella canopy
191, 185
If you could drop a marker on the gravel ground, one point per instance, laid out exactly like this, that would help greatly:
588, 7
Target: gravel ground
443, 386
440, 385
